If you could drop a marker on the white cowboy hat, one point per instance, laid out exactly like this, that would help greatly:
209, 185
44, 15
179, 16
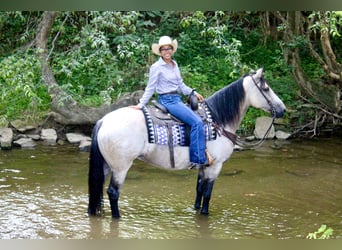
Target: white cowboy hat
164, 40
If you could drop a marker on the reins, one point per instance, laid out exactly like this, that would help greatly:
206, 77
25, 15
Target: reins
236, 139
246, 145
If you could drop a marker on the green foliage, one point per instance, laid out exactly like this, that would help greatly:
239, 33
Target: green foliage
106, 58
322, 233
22, 92
97, 56
217, 43
15, 29
328, 21
109, 54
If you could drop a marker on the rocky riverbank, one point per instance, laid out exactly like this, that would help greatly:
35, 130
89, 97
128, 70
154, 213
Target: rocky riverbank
21, 135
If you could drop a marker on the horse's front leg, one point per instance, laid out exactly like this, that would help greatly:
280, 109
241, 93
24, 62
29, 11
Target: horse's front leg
204, 188
207, 189
113, 192
199, 189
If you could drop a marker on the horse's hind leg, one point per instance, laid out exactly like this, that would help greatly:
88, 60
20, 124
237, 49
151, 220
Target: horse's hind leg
113, 192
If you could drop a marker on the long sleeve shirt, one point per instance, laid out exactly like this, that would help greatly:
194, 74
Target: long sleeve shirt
163, 78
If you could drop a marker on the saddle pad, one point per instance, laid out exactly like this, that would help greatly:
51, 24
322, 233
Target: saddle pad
158, 129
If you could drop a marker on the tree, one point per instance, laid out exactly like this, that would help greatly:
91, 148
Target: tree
66, 110
308, 34
129, 48
90, 58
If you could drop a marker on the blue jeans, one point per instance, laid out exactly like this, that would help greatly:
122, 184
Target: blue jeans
173, 103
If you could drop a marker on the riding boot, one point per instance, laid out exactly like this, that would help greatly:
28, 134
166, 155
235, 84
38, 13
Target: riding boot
209, 161
209, 157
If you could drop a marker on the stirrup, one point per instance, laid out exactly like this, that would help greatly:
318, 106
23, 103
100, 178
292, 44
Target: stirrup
197, 166
210, 161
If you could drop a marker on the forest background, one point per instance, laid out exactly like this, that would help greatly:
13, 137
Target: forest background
72, 66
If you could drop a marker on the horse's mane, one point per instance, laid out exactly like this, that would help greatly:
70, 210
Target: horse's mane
225, 103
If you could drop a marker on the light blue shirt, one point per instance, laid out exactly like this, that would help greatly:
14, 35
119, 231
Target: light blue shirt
164, 78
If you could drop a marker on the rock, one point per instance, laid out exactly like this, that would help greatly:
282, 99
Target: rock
76, 138
84, 145
261, 126
34, 137
250, 138
61, 142
6, 138
49, 136
281, 135
25, 143
22, 126
238, 148
280, 121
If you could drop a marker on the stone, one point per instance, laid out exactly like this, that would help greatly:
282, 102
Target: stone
281, 135
25, 143
6, 138
49, 136
22, 126
34, 137
238, 148
76, 138
84, 145
250, 138
261, 126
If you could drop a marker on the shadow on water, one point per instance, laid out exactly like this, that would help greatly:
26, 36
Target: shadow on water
282, 190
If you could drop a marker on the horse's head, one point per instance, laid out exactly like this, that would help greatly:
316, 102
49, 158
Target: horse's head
260, 95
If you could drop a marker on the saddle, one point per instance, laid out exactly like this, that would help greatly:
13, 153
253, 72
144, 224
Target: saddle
165, 129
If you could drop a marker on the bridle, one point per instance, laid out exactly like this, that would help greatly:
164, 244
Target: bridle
236, 139
263, 88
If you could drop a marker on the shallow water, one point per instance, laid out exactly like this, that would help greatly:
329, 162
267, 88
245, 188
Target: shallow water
282, 190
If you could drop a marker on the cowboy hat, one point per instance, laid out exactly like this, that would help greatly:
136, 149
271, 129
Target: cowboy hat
164, 40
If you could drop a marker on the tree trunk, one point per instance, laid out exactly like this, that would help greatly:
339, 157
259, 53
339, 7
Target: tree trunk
65, 109
326, 95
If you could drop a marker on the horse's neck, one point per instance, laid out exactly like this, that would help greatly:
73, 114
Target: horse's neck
229, 105
234, 125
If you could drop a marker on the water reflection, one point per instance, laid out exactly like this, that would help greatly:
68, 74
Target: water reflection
279, 191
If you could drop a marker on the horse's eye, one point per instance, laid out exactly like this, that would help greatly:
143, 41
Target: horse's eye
265, 88
263, 84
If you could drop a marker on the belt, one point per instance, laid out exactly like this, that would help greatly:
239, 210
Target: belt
170, 93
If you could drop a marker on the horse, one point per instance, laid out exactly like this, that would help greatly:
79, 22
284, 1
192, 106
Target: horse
120, 137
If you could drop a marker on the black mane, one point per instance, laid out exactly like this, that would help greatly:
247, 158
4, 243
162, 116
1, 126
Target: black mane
225, 103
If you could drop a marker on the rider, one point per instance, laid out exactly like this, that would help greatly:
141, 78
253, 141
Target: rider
165, 79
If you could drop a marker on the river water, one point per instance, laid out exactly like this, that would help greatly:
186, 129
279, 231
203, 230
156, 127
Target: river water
283, 190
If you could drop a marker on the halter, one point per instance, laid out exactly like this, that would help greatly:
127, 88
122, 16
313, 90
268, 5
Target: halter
236, 139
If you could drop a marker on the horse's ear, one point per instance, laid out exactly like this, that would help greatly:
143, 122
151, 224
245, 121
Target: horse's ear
260, 72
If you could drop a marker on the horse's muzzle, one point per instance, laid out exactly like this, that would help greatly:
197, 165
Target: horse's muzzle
278, 112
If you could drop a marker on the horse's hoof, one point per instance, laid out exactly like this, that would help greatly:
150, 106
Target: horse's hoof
115, 215
197, 207
95, 212
203, 212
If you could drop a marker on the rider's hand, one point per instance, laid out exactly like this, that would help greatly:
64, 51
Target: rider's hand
134, 107
199, 97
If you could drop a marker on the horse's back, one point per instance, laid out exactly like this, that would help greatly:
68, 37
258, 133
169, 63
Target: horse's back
124, 114
123, 131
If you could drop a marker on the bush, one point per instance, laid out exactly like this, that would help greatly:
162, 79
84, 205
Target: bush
22, 93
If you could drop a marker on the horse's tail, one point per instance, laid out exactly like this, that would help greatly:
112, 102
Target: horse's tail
96, 175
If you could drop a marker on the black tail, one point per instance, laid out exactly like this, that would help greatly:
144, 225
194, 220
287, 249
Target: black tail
96, 174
